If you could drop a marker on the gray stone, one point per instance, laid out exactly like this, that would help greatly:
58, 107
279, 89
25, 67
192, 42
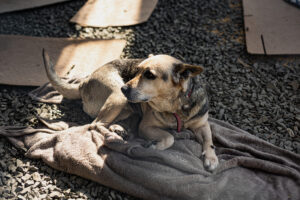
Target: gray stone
12, 168
247, 91
36, 176
25, 190
290, 132
18, 189
19, 163
33, 168
29, 182
26, 177
20, 197
54, 194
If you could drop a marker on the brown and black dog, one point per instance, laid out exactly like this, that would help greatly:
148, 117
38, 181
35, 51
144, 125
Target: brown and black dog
171, 98
164, 86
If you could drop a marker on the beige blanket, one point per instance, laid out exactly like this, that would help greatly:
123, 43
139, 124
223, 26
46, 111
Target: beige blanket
250, 168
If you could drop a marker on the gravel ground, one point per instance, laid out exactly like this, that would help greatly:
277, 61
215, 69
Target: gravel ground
256, 93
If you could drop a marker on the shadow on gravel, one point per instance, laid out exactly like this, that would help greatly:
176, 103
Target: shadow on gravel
256, 93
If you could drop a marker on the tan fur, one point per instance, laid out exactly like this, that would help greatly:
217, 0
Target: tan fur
100, 92
102, 98
160, 100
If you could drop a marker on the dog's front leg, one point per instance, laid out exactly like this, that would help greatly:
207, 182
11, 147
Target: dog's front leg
203, 134
162, 138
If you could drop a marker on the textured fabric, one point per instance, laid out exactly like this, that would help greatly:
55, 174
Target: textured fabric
250, 168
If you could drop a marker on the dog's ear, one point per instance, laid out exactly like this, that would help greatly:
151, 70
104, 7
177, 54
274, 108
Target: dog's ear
184, 71
192, 70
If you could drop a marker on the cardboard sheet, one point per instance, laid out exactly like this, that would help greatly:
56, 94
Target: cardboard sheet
14, 5
103, 13
272, 27
21, 61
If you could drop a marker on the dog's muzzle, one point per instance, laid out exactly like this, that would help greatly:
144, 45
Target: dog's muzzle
126, 90
132, 95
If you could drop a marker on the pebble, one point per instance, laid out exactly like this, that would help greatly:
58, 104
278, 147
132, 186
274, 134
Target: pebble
18, 189
254, 93
43, 196
112, 194
77, 27
19, 163
25, 190
29, 183
36, 176
26, 177
12, 168
20, 197
33, 169
290, 132
55, 194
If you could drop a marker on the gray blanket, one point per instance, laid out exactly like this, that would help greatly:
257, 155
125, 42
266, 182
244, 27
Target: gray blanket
250, 168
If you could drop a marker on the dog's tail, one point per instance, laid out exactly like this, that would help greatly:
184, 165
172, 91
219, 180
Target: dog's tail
69, 91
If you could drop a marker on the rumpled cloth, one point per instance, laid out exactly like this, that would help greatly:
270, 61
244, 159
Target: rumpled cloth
249, 169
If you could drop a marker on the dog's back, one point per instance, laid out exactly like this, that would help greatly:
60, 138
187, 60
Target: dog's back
104, 84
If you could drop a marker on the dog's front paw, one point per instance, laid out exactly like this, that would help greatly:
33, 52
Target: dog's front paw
211, 161
118, 129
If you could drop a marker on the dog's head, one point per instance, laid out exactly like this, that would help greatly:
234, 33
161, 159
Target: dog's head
160, 80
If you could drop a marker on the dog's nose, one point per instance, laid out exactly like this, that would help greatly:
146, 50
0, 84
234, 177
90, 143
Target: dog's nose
125, 89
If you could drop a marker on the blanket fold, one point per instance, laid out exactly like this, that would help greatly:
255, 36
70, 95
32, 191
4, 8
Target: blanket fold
250, 168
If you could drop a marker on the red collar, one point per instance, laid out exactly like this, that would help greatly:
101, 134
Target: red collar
179, 122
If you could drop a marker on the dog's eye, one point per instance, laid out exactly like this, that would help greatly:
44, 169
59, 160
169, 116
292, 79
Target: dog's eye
149, 75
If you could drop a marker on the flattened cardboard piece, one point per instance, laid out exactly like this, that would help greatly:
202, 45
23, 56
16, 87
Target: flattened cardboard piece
14, 5
103, 13
272, 27
21, 61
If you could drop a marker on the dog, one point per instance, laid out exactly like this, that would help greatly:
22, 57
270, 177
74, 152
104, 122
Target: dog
100, 92
171, 98
165, 88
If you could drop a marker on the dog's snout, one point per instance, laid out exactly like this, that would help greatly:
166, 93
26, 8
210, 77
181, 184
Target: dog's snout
125, 89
